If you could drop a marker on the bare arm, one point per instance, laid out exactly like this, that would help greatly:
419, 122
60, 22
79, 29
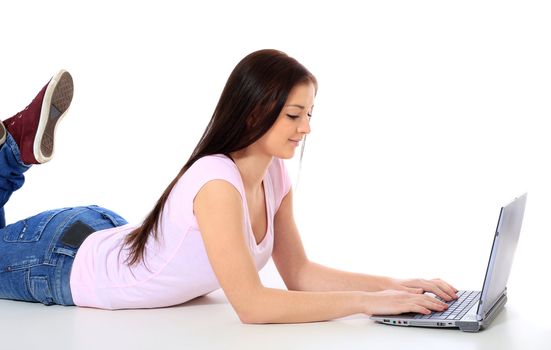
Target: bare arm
314, 276
219, 212
299, 273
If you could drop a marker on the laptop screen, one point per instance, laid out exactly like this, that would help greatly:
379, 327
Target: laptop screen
503, 251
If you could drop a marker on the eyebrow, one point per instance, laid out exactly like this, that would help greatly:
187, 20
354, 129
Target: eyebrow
300, 106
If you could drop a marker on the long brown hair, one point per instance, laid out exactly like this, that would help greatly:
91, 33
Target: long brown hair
251, 101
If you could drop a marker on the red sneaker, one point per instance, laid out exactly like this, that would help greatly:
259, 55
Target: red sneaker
33, 129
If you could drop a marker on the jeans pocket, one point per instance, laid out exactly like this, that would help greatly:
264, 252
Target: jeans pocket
40, 289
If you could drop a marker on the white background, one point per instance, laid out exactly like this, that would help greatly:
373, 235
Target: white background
430, 115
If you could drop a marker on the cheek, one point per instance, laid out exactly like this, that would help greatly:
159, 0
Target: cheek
276, 134
279, 137
273, 142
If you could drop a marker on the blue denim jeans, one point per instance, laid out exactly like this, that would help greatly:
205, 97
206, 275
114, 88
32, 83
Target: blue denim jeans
35, 263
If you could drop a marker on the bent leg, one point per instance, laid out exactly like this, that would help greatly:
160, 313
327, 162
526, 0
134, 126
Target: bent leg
11, 173
28, 136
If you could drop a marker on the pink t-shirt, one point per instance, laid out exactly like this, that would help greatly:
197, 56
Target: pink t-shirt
177, 267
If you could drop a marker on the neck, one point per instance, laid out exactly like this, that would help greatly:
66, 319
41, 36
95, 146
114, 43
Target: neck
252, 167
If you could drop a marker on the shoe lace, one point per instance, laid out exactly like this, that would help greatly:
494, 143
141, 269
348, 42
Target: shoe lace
20, 114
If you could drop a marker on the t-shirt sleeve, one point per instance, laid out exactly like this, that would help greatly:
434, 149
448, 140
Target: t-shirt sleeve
204, 170
281, 180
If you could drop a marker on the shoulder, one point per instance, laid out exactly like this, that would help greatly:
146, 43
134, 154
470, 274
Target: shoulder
212, 167
217, 188
217, 194
215, 162
216, 165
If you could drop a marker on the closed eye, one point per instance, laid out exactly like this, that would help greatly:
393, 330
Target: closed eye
297, 116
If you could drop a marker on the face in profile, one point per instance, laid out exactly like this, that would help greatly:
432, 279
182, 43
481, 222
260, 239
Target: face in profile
292, 124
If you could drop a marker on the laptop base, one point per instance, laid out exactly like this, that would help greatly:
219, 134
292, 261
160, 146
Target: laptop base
468, 323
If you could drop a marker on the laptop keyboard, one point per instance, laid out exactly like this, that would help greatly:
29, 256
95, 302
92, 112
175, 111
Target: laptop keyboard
457, 308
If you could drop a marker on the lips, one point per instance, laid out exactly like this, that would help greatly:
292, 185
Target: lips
295, 142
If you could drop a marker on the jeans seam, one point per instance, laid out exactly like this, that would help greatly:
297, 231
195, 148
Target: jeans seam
58, 294
28, 282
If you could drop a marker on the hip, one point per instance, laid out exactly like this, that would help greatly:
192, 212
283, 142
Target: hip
37, 253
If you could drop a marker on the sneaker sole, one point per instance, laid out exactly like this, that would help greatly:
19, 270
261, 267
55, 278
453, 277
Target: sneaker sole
57, 100
2, 133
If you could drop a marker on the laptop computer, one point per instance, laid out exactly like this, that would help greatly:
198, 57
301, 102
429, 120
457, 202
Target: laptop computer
475, 310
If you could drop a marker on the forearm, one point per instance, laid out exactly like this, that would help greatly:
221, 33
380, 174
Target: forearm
280, 306
316, 277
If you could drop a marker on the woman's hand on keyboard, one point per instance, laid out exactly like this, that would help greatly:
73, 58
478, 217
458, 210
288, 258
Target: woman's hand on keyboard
394, 302
436, 286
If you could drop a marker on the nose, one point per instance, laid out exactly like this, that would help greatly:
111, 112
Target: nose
304, 126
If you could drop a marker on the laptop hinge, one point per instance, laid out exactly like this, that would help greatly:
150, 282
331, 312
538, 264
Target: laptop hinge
480, 311
491, 314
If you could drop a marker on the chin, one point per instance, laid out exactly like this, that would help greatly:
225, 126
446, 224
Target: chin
291, 156
285, 152
287, 155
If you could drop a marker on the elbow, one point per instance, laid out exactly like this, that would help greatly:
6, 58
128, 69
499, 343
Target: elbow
250, 318
255, 306
247, 319
252, 312
252, 315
